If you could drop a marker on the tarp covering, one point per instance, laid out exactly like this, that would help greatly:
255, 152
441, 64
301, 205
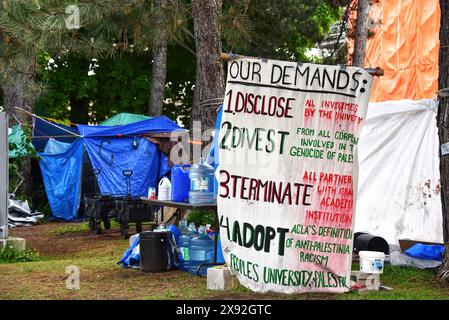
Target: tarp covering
405, 44
399, 180
124, 118
112, 156
61, 171
18, 138
44, 130
110, 149
153, 125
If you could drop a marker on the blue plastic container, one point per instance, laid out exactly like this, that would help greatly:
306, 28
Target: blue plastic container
202, 183
175, 231
220, 257
180, 183
184, 247
201, 251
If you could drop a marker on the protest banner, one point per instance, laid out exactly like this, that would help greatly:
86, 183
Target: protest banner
288, 173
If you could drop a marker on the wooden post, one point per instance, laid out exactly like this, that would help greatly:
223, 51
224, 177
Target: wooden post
443, 130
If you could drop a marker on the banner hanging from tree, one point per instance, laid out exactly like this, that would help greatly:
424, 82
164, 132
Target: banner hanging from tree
288, 173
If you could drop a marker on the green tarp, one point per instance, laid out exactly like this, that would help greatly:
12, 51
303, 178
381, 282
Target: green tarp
18, 143
124, 118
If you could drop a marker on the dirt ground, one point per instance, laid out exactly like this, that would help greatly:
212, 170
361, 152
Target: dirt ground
96, 257
48, 242
69, 244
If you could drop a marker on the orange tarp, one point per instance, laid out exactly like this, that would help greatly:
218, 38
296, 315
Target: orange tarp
405, 44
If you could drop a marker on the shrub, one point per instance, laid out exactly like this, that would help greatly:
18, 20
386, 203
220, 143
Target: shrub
10, 254
201, 217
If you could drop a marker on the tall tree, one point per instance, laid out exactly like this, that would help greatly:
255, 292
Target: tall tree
209, 86
30, 27
159, 66
443, 130
361, 33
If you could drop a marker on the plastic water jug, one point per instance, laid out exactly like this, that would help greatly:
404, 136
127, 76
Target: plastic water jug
164, 189
180, 183
202, 183
184, 246
201, 251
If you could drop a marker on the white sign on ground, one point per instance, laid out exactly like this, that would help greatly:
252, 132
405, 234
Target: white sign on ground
288, 167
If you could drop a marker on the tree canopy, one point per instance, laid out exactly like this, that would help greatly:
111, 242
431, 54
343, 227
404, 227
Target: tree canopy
117, 36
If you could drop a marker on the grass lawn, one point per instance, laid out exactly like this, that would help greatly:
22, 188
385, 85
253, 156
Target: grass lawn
61, 245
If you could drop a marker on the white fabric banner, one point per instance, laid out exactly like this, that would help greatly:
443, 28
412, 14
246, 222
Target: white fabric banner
287, 144
399, 177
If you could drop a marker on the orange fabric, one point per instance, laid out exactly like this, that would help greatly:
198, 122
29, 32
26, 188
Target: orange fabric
405, 44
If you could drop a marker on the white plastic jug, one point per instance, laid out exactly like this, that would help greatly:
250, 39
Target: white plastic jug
164, 189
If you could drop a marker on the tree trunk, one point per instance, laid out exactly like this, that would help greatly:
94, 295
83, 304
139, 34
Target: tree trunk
159, 67
361, 33
15, 94
209, 86
443, 130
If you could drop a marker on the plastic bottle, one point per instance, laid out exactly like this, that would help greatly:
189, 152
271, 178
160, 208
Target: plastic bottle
202, 183
164, 189
182, 226
184, 243
201, 252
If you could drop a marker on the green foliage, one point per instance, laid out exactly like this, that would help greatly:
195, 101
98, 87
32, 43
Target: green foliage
120, 36
9, 254
179, 89
81, 92
117, 85
283, 29
201, 217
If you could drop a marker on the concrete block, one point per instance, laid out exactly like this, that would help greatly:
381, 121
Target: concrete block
17, 243
220, 278
364, 281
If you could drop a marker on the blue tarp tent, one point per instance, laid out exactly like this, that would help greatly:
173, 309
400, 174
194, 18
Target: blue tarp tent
43, 130
60, 165
111, 150
112, 156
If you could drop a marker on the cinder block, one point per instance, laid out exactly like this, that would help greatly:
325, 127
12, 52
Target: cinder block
17, 243
365, 281
220, 278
